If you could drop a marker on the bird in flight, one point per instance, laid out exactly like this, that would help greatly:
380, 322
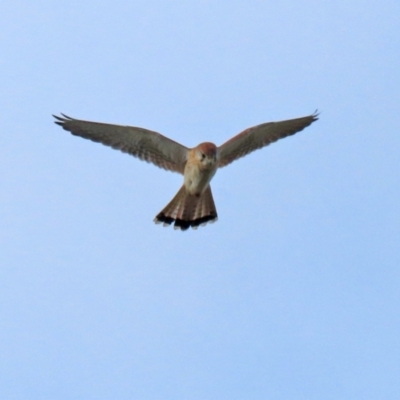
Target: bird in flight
193, 205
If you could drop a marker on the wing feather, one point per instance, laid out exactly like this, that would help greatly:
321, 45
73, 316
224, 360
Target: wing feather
260, 136
139, 142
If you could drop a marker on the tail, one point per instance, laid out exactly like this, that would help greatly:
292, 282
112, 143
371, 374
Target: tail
187, 210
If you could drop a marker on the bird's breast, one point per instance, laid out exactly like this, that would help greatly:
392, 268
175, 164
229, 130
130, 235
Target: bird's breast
196, 178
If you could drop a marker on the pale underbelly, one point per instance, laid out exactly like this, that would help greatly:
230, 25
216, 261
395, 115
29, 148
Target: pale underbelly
196, 180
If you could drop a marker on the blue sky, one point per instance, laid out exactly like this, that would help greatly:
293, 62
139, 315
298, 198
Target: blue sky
292, 294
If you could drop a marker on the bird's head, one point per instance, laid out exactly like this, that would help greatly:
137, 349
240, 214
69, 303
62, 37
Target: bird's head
207, 154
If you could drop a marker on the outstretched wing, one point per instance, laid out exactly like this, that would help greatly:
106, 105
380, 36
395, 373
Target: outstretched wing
147, 145
259, 136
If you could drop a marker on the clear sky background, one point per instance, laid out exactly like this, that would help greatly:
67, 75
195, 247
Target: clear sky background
292, 294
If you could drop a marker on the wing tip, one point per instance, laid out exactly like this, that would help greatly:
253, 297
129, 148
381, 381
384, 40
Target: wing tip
61, 120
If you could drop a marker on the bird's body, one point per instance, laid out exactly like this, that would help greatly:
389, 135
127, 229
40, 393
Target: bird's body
193, 205
201, 166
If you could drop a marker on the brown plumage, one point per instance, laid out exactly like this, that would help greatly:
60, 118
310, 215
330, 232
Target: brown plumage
188, 210
193, 205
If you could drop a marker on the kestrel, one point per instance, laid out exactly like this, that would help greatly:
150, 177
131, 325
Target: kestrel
193, 205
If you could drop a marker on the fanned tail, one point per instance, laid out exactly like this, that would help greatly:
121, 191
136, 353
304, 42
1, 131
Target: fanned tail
187, 210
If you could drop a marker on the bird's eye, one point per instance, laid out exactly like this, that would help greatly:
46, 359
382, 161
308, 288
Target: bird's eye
203, 156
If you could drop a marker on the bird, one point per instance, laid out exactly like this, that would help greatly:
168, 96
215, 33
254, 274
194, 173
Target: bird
193, 205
